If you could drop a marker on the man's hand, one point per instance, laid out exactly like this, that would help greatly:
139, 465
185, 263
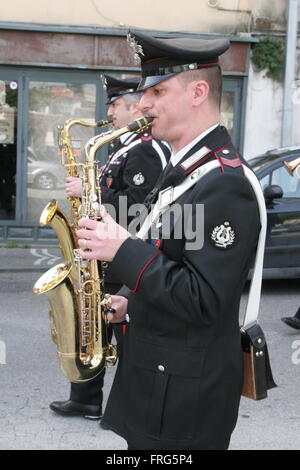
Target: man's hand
73, 186
120, 304
100, 240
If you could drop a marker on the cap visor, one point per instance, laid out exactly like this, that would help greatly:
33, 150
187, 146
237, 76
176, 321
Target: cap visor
112, 99
148, 82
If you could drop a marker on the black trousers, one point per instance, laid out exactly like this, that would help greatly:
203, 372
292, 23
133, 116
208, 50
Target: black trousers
130, 446
91, 392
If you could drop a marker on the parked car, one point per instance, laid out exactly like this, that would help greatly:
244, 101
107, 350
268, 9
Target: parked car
44, 174
282, 196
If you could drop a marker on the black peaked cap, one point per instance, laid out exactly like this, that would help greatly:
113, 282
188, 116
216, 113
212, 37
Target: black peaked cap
162, 58
117, 87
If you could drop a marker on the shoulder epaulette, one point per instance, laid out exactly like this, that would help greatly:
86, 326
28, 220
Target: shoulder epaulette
228, 156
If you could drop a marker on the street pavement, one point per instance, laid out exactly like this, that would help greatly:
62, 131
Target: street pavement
30, 376
36, 258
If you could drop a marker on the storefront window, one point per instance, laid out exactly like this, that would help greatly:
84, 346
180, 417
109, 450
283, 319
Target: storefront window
8, 147
50, 105
227, 110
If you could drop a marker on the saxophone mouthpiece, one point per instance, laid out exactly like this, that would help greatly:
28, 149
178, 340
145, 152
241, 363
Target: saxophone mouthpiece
140, 124
104, 122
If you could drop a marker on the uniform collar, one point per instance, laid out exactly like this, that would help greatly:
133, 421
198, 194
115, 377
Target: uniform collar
212, 141
175, 158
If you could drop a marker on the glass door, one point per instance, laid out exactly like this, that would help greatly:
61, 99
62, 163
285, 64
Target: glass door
50, 104
8, 146
231, 108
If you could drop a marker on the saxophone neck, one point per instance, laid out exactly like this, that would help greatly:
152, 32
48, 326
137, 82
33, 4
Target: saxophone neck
138, 125
65, 139
80, 122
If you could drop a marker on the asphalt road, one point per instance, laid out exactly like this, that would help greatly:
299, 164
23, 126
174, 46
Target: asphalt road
30, 378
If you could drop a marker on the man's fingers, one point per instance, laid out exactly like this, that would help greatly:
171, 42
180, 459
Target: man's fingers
115, 317
87, 223
83, 233
105, 215
85, 254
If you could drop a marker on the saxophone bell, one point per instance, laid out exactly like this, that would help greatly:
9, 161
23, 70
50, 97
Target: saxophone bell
76, 365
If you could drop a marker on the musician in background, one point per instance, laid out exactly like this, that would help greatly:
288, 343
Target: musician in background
134, 167
179, 379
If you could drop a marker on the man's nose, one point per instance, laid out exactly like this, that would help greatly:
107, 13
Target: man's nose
109, 111
144, 103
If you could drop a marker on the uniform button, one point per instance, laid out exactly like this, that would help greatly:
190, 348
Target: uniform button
127, 318
226, 152
161, 368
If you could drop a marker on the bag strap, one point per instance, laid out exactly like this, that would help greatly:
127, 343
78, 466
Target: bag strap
170, 194
256, 281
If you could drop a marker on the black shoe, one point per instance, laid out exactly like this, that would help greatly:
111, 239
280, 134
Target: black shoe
73, 408
294, 322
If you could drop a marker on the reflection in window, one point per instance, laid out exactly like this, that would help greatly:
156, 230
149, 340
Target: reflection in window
50, 105
8, 147
264, 182
290, 184
227, 110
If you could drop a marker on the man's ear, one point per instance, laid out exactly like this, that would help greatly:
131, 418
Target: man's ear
200, 91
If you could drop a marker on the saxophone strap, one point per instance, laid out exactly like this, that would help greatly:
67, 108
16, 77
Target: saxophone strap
169, 195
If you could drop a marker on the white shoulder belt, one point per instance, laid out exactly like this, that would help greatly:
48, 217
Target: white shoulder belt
169, 195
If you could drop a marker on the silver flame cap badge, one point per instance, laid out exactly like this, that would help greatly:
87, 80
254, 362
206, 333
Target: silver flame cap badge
135, 48
104, 82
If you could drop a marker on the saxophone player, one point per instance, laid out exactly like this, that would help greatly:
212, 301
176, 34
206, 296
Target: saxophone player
179, 380
134, 166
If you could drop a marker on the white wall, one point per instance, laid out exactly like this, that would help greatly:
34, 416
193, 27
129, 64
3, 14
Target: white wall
296, 115
228, 17
263, 114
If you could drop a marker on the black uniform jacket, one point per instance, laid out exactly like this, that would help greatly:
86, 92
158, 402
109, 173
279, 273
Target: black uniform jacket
178, 383
134, 168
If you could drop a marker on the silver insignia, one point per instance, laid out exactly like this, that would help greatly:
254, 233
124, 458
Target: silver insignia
135, 48
223, 235
138, 179
104, 82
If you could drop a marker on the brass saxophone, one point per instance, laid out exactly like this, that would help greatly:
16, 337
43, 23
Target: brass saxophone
79, 305
293, 166
52, 215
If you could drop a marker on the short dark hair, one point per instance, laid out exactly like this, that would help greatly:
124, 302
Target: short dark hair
211, 75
